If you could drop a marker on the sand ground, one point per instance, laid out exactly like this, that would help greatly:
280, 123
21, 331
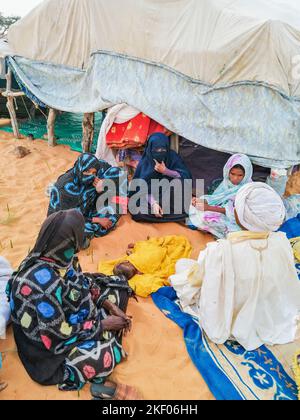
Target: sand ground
158, 363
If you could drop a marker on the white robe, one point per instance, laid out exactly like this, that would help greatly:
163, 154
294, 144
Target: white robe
118, 114
248, 291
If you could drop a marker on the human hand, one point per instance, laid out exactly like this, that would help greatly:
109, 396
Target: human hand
116, 323
198, 203
206, 207
98, 184
157, 211
105, 222
160, 167
114, 310
130, 249
113, 323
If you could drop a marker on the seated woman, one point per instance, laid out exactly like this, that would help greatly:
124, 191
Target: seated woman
289, 189
77, 189
246, 287
214, 213
159, 163
149, 264
291, 198
68, 326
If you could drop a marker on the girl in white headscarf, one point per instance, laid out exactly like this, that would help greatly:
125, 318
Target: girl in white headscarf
246, 287
215, 213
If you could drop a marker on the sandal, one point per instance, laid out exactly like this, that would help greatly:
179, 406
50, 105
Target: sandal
3, 385
114, 392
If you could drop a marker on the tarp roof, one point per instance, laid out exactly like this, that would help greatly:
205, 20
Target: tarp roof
221, 73
4, 52
214, 41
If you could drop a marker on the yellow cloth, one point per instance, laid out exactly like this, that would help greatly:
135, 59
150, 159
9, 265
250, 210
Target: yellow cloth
295, 242
297, 371
156, 259
245, 235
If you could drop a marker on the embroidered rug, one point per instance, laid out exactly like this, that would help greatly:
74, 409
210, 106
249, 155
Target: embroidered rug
231, 372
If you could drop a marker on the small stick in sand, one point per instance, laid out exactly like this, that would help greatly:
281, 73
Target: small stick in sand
92, 255
9, 218
48, 166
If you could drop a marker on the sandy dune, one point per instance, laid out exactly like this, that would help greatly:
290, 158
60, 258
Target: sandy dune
158, 363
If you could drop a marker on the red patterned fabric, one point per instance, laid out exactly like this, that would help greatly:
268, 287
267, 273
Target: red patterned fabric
134, 133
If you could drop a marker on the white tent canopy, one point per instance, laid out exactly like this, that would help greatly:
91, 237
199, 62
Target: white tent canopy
218, 42
221, 73
4, 52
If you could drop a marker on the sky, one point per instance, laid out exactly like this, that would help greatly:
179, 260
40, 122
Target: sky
17, 7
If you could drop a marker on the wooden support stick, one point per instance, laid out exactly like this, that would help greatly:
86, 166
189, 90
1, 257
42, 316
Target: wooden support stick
51, 127
8, 80
11, 106
7, 94
88, 127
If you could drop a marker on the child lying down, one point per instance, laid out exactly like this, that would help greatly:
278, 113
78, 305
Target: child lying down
149, 264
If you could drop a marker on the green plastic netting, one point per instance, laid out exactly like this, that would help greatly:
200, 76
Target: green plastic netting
68, 129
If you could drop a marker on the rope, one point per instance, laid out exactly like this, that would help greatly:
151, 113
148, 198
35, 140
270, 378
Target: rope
36, 107
16, 103
42, 112
26, 108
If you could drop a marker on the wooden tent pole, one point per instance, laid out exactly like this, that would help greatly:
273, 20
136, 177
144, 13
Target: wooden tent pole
51, 127
88, 128
10, 105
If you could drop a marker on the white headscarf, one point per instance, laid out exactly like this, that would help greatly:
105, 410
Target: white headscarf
259, 208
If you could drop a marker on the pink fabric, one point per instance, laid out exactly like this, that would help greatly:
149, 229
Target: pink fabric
212, 217
172, 174
151, 200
